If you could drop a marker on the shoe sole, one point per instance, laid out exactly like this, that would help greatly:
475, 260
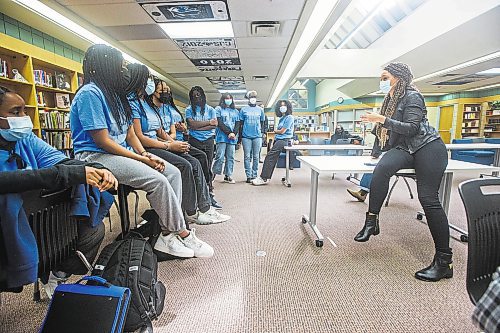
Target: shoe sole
213, 222
421, 278
180, 255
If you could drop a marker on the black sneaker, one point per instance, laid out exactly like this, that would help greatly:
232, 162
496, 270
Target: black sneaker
215, 204
229, 180
249, 180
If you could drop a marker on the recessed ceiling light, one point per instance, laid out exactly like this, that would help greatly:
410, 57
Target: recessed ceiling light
198, 29
491, 71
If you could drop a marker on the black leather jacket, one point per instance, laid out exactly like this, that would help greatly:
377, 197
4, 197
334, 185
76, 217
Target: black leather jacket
408, 129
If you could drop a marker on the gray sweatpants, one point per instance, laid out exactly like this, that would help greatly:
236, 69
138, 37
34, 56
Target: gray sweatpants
164, 190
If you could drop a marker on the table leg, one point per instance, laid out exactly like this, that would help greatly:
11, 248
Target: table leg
313, 205
286, 180
496, 161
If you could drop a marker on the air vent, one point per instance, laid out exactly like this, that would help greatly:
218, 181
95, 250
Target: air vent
264, 28
260, 77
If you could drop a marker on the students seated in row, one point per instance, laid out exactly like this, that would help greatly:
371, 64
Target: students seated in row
149, 113
252, 126
226, 137
101, 125
284, 133
28, 163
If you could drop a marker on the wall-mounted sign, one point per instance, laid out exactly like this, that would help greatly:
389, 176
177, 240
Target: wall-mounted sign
211, 54
219, 68
210, 43
216, 62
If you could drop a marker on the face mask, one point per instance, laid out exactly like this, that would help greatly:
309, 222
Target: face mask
150, 87
252, 100
228, 101
20, 127
125, 79
165, 98
385, 86
283, 109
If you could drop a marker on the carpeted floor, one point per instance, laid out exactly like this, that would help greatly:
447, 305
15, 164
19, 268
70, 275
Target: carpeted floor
295, 286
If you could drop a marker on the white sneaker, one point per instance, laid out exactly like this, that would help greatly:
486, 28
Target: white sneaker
259, 181
211, 216
52, 284
173, 245
200, 248
191, 218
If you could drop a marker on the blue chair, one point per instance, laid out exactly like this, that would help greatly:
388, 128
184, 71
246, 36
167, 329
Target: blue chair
479, 156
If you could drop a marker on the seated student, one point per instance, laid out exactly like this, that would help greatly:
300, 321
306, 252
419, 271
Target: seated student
148, 128
340, 133
226, 136
28, 163
284, 133
101, 120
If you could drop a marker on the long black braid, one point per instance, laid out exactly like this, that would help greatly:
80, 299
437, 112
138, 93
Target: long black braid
203, 99
102, 65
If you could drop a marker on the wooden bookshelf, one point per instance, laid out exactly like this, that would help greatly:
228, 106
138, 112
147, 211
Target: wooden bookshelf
471, 120
492, 122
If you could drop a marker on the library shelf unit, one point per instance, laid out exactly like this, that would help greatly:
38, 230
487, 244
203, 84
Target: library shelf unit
49, 85
471, 120
492, 123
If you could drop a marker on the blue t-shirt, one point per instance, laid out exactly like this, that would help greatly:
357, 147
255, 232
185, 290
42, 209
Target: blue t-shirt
251, 117
37, 154
150, 120
175, 117
207, 115
90, 111
285, 122
229, 118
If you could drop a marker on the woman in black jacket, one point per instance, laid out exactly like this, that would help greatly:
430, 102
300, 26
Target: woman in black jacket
403, 132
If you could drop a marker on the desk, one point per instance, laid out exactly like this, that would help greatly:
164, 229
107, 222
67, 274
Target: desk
286, 179
473, 146
355, 164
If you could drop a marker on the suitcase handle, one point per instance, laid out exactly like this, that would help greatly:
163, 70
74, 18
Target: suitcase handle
96, 279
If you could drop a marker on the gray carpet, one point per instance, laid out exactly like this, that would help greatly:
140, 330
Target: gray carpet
297, 287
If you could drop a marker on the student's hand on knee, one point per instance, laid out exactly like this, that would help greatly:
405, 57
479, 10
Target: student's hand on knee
155, 162
179, 146
108, 180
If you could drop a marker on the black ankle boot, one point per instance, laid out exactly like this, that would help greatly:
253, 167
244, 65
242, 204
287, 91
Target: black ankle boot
440, 268
371, 227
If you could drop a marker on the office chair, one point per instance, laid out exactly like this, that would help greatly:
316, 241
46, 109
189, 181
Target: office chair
404, 176
482, 208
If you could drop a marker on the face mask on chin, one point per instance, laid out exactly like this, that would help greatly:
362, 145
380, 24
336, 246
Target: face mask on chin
252, 100
20, 128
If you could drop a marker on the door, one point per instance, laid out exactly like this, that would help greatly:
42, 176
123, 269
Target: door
445, 123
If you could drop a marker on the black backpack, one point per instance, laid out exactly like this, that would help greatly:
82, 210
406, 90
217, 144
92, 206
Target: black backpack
131, 263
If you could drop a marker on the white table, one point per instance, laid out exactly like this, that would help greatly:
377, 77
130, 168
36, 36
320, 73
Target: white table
356, 164
286, 179
473, 146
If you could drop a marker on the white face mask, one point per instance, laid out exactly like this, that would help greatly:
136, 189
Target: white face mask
385, 86
150, 87
20, 127
252, 100
283, 109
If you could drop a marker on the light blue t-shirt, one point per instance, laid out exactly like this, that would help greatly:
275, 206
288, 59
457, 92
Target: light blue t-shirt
90, 111
150, 120
207, 115
285, 122
175, 117
252, 117
229, 118
37, 154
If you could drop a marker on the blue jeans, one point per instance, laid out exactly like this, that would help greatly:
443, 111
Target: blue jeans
224, 151
251, 151
365, 182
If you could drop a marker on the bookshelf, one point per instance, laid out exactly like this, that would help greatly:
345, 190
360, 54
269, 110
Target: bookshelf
50, 82
492, 120
471, 120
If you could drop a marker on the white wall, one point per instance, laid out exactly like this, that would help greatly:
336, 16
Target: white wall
326, 91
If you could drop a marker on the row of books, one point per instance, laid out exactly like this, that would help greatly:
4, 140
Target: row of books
4, 68
54, 120
61, 100
58, 140
52, 80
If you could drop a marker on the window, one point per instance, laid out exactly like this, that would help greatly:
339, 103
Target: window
298, 98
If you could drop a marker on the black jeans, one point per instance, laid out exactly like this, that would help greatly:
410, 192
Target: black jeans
194, 188
429, 163
272, 158
89, 241
207, 147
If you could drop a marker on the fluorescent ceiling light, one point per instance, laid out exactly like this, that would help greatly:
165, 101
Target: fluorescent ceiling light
485, 87
237, 91
491, 71
314, 24
198, 29
460, 66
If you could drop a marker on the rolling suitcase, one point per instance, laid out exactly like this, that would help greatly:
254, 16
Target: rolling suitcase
96, 307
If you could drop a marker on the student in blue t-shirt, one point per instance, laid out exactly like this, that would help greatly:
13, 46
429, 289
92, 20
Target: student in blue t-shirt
252, 126
145, 99
202, 121
101, 126
284, 133
226, 137
29, 163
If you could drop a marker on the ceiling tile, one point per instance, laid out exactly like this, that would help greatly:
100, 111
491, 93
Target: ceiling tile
112, 14
92, 2
260, 10
262, 42
135, 32
162, 44
162, 55
262, 53
173, 63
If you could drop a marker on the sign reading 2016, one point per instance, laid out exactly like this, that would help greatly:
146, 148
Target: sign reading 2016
216, 62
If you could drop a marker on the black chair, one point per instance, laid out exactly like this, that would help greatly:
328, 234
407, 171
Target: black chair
482, 207
404, 176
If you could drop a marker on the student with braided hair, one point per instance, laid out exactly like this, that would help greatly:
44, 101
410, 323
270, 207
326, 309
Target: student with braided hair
403, 132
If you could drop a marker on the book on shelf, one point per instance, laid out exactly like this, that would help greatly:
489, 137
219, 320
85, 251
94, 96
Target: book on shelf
62, 101
58, 140
54, 120
40, 99
4, 68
